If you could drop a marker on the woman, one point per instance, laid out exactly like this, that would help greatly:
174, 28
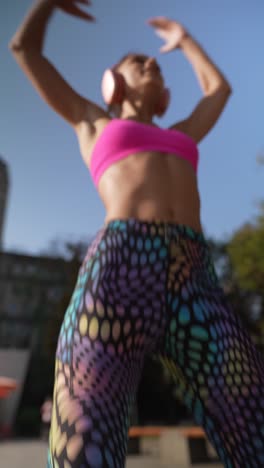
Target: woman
147, 284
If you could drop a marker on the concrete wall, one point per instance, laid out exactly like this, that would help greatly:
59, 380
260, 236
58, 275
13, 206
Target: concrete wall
13, 364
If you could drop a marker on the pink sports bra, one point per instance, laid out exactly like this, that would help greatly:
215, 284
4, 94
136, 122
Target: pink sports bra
122, 137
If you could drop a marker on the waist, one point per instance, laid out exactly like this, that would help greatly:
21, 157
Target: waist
144, 213
159, 190
155, 227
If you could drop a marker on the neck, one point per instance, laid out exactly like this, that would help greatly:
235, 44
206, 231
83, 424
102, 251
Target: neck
132, 113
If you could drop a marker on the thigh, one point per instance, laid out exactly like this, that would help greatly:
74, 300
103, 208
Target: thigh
113, 319
96, 376
218, 370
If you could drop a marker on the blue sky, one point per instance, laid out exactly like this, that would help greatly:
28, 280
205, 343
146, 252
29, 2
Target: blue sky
52, 195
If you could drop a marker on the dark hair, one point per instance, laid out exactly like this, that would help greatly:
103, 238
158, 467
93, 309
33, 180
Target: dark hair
123, 59
113, 109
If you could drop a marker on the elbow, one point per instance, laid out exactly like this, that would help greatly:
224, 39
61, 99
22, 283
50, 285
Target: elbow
228, 89
223, 88
19, 49
228, 92
14, 46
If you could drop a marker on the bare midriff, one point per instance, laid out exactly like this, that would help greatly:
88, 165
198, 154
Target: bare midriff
151, 186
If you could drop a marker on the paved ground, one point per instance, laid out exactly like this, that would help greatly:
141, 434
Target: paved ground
32, 454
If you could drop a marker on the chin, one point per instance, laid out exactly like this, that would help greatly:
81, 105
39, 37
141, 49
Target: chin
153, 77
153, 87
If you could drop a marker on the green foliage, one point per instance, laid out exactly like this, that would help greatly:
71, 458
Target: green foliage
246, 250
76, 252
245, 302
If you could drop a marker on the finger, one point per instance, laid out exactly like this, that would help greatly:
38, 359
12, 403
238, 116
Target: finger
71, 3
164, 49
158, 18
83, 2
159, 32
157, 21
154, 23
88, 2
81, 14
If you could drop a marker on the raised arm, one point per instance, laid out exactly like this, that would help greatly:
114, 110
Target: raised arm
215, 87
27, 48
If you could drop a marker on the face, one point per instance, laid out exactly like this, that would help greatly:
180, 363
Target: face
141, 70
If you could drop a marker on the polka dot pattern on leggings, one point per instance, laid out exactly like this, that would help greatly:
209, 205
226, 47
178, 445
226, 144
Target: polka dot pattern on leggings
149, 288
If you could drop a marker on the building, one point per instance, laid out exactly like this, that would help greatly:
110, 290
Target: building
34, 291
30, 289
4, 187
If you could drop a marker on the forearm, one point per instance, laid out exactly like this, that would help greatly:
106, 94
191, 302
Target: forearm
32, 30
208, 74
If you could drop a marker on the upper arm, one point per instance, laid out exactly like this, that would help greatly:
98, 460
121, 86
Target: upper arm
205, 114
55, 90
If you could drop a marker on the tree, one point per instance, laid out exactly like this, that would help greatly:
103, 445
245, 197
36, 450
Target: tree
246, 250
75, 252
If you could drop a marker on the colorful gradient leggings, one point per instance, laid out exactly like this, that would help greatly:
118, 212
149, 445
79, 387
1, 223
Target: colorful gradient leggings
151, 288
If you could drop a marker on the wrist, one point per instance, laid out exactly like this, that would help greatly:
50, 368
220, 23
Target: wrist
50, 3
186, 36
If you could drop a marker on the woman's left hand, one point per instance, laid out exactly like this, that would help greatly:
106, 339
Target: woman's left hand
169, 30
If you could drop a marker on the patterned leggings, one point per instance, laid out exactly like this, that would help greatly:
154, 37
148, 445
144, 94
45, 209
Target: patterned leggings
151, 287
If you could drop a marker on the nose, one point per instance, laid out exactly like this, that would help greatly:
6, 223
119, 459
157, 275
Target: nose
150, 60
151, 64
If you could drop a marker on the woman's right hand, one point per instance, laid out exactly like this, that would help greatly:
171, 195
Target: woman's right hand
70, 7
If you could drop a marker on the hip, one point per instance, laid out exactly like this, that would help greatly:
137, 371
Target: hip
130, 274
151, 211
